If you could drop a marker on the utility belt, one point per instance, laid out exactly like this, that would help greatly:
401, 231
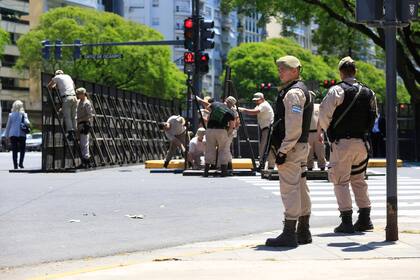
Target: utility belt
334, 137
67, 95
312, 130
84, 127
362, 166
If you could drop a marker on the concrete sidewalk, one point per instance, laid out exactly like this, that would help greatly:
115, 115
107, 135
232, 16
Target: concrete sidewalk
330, 256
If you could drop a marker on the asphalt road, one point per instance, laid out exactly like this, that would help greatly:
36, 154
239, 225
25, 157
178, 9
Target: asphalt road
51, 217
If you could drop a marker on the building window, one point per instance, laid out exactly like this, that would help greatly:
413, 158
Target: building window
155, 3
155, 21
8, 60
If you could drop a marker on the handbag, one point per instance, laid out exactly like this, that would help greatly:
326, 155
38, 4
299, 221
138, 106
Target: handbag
26, 129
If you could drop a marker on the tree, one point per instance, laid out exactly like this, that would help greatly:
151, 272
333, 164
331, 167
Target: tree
147, 69
4, 39
335, 17
253, 63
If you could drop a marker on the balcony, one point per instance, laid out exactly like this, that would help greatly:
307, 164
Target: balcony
12, 73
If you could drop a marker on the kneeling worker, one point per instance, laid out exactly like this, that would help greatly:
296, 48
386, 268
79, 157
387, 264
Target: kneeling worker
197, 148
175, 130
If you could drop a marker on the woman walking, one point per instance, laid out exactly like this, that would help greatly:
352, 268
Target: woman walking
16, 132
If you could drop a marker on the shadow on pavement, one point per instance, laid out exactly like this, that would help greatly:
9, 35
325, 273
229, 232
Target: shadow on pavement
343, 244
367, 247
333, 234
272, 249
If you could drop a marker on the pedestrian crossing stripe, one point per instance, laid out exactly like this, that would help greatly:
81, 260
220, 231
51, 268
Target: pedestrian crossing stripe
324, 201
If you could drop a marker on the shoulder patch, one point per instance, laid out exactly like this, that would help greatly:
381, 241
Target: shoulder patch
296, 109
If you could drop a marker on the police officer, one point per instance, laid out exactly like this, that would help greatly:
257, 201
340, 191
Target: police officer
316, 147
290, 137
84, 117
347, 113
218, 134
175, 131
265, 117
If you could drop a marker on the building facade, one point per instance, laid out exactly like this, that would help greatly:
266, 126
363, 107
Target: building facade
168, 17
17, 18
248, 29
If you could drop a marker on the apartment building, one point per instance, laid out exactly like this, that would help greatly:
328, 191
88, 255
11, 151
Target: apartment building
168, 18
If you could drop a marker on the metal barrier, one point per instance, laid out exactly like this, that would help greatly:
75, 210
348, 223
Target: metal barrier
124, 129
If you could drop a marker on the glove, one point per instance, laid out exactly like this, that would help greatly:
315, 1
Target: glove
280, 158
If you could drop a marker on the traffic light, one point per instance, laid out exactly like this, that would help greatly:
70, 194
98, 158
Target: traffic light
369, 11
407, 10
203, 63
189, 33
206, 33
77, 49
45, 49
328, 83
57, 49
189, 62
264, 86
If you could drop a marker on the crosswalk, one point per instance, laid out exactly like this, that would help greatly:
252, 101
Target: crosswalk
324, 201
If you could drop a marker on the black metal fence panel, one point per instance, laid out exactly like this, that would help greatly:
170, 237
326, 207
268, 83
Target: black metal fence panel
124, 128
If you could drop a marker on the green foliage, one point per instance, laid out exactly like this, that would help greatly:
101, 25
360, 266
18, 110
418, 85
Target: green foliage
254, 63
147, 69
4, 39
338, 35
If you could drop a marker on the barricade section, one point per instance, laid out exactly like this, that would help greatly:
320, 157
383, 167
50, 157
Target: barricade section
124, 128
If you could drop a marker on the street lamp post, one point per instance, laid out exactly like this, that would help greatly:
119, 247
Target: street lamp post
390, 29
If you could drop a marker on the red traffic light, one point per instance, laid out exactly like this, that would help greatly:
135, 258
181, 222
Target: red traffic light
204, 57
188, 23
268, 86
326, 83
332, 82
188, 57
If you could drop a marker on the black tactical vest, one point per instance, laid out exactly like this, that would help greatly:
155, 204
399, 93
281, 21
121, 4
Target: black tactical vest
280, 127
359, 120
220, 116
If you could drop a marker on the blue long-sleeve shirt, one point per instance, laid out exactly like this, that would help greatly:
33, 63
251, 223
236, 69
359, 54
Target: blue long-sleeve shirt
13, 124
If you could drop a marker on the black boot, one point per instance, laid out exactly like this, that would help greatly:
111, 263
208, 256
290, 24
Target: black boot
224, 171
71, 135
206, 170
287, 238
363, 222
303, 233
165, 164
346, 225
88, 163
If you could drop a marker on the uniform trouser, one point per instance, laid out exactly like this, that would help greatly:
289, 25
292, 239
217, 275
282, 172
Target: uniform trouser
293, 188
195, 159
18, 145
217, 138
84, 145
261, 148
177, 142
318, 148
346, 154
69, 112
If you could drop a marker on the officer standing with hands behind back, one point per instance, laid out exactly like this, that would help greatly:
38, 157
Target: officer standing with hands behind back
348, 113
290, 137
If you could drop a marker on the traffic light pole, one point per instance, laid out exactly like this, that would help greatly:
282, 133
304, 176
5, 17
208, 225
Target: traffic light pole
196, 80
391, 121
